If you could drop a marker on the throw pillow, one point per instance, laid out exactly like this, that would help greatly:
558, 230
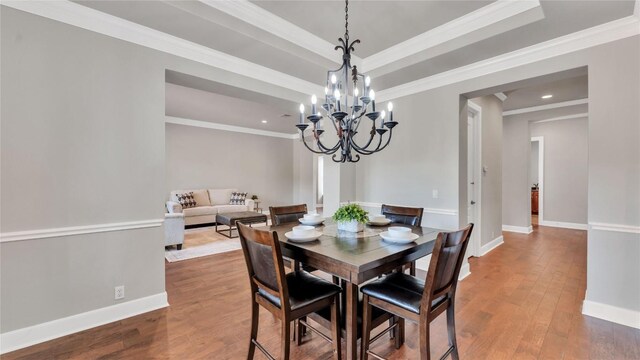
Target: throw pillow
186, 200
238, 198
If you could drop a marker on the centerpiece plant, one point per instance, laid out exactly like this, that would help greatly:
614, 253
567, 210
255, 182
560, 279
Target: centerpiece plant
351, 217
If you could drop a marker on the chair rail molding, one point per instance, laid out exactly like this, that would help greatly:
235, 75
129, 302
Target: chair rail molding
633, 229
28, 336
451, 212
78, 230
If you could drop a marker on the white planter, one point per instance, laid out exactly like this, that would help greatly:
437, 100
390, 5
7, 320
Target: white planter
351, 226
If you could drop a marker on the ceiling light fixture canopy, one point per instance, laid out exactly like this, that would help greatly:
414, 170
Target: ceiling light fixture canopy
343, 85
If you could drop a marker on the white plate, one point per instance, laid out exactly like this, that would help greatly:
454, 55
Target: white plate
380, 223
311, 222
302, 239
385, 236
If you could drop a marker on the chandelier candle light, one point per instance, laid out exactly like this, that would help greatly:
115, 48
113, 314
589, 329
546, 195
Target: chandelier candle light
344, 84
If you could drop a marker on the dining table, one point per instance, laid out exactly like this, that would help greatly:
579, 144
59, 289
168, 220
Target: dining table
355, 258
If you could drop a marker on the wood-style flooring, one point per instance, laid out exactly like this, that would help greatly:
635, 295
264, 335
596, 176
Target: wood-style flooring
521, 301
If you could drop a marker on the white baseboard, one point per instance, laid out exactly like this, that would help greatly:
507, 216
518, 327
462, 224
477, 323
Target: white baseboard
611, 313
486, 248
21, 338
465, 271
566, 225
518, 229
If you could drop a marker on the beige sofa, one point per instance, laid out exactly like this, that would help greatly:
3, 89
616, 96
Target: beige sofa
210, 202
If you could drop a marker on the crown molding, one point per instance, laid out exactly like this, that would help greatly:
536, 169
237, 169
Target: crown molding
225, 127
566, 117
501, 96
580, 40
546, 107
93, 20
469, 28
275, 25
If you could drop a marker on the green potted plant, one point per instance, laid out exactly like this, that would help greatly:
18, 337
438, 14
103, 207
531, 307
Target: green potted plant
351, 217
254, 197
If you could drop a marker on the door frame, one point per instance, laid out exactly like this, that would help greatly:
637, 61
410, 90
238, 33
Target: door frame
540, 140
475, 111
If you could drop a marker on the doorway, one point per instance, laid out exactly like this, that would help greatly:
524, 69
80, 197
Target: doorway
474, 178
536, 180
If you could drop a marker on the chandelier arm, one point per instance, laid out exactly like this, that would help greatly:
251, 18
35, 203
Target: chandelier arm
326, 150
387, 143
363, 149
307, 146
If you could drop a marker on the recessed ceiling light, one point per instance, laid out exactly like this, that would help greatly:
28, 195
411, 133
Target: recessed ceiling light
548, 96
264, 121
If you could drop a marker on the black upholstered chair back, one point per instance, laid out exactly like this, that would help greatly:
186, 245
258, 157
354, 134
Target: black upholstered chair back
263, 257
446, 261
286, 214
403, 215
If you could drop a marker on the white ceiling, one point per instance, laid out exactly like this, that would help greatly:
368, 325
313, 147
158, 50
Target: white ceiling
296, 37
562, 90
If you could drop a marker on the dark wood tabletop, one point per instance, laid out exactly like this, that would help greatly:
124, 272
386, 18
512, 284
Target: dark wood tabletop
356, 260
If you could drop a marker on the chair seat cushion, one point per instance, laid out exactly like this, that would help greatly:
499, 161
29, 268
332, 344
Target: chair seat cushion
400, 289
304, 289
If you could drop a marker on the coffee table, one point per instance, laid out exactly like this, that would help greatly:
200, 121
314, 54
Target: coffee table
245, 217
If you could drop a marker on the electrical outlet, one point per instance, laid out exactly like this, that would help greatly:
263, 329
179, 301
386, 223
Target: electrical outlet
434, 193
119, 292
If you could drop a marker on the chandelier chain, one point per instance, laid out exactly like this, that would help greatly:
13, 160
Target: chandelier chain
346, 21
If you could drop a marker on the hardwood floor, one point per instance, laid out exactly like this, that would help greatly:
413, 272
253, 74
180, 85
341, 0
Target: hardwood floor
521, 301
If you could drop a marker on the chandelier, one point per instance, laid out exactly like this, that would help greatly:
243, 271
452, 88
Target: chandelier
345, 84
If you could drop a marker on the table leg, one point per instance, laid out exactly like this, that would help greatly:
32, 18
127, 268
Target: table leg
352, 321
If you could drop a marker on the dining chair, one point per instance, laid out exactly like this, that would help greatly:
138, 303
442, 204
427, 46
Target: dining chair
288, 297
286, 214
413, 299
404, 215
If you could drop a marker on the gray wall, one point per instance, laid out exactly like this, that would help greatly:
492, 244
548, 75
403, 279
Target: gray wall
198, 158
304, 181
613, 272
516, 188
565, 169
82, 143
